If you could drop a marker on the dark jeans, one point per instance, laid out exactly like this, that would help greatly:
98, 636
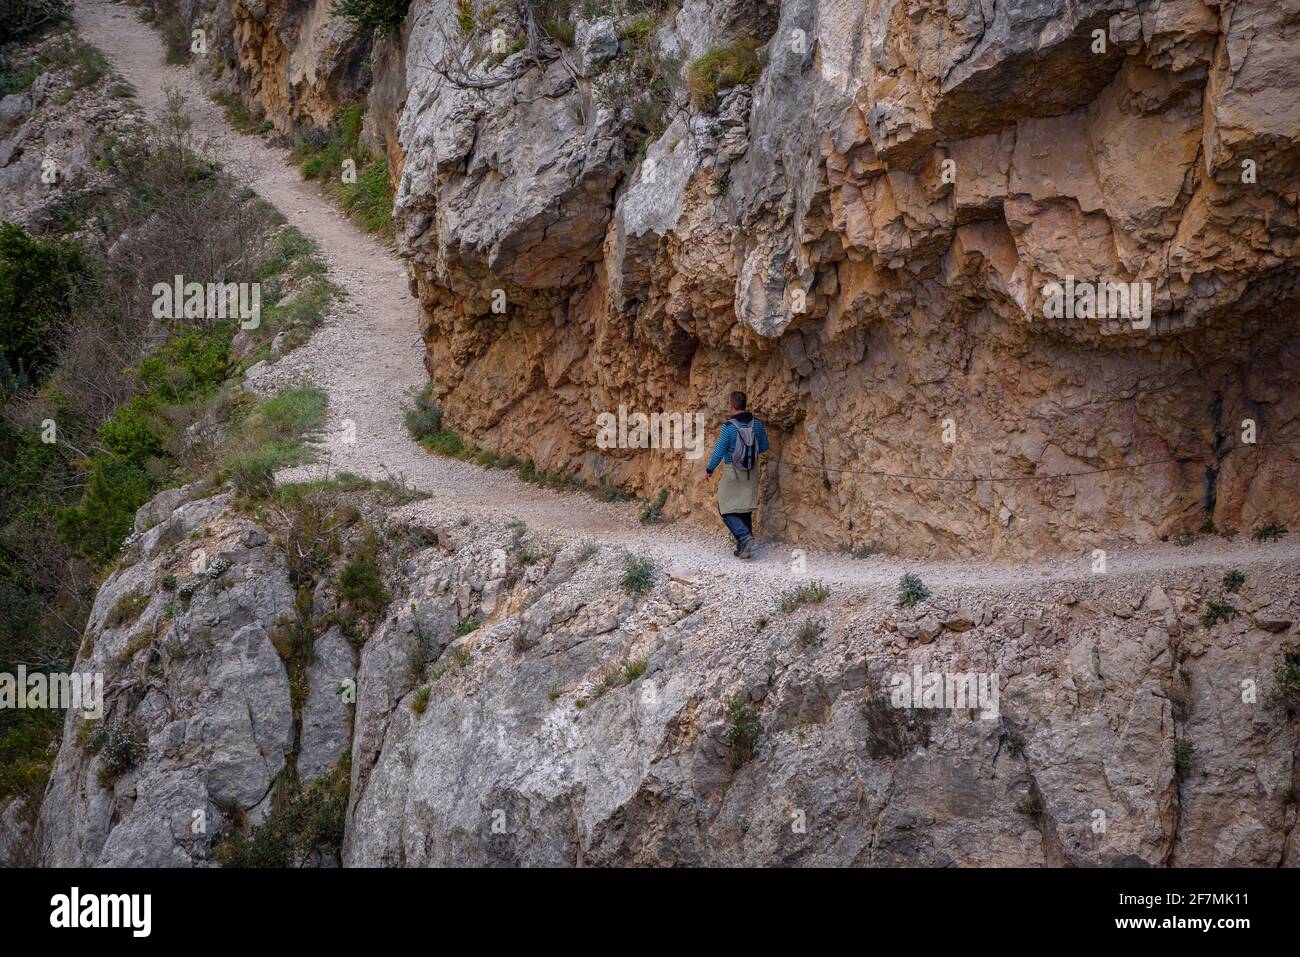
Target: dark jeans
741, 525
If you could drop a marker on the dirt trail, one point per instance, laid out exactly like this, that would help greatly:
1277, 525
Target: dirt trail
368, 357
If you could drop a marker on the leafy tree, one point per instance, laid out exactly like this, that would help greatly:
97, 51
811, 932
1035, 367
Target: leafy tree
39, 281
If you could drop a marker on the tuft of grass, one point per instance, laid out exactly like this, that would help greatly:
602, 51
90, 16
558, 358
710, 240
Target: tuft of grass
1215, 612
1233, 580
360, 584
743, 730
652, 512
275, 435
1271, 532
739, 62
1288, 679
638, 574
466, 625
420, 700
810, 631
811, 593
911, 591
126, 610
1032, 807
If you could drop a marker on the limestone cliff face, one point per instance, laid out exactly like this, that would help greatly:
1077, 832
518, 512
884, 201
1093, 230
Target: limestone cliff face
580, 725
865, 238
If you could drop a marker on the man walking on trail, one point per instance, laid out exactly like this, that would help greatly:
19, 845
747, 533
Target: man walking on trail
741, 441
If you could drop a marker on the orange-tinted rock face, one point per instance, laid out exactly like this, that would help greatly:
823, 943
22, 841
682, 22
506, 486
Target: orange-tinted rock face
877, 240
302, 63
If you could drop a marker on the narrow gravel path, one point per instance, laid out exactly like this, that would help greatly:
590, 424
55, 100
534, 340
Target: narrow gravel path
369, 357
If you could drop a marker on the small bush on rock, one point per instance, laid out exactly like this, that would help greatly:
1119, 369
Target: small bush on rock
911, 591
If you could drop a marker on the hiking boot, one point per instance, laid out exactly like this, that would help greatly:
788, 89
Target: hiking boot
747, 549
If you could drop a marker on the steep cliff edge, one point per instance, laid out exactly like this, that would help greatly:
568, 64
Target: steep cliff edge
519, 703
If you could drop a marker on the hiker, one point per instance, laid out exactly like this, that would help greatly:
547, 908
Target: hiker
741, 440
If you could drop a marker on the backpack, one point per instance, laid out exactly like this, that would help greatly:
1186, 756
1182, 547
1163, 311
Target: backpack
743, 455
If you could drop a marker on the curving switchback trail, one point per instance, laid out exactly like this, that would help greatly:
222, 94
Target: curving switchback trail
368, 357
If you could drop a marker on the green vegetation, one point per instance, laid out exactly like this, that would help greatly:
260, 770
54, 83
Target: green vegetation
238, 115
739, 62
641, 78
385, 16
1215, 612
305, 824
743, 730
652, 512
321, 155
638, 574
911, 591
1233, 580
126, 611
1032, 807
1271, 532
361, 585
420, 700
39, 281
466, 625
119, 744
274, 435
1288, 679
102, 404
165, 16
809, 593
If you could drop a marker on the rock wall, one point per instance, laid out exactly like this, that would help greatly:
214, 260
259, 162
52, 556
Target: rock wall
863, 239
578, 724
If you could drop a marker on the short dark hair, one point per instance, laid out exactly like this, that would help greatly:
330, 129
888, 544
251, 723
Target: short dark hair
739, 400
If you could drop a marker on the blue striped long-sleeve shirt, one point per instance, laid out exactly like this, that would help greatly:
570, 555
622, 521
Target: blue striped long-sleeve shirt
727, 443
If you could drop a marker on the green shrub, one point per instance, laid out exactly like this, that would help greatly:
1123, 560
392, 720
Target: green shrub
420, 700
638, 574
1215, 612
743, 730
911, 591
304, 823
810, 631
370, 199
466, 625
1271, 532
361, 585
119, 744
385, 16
809, 593
633, 669
1233, 581
98, 526
653, 511
737, 63
19, 18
